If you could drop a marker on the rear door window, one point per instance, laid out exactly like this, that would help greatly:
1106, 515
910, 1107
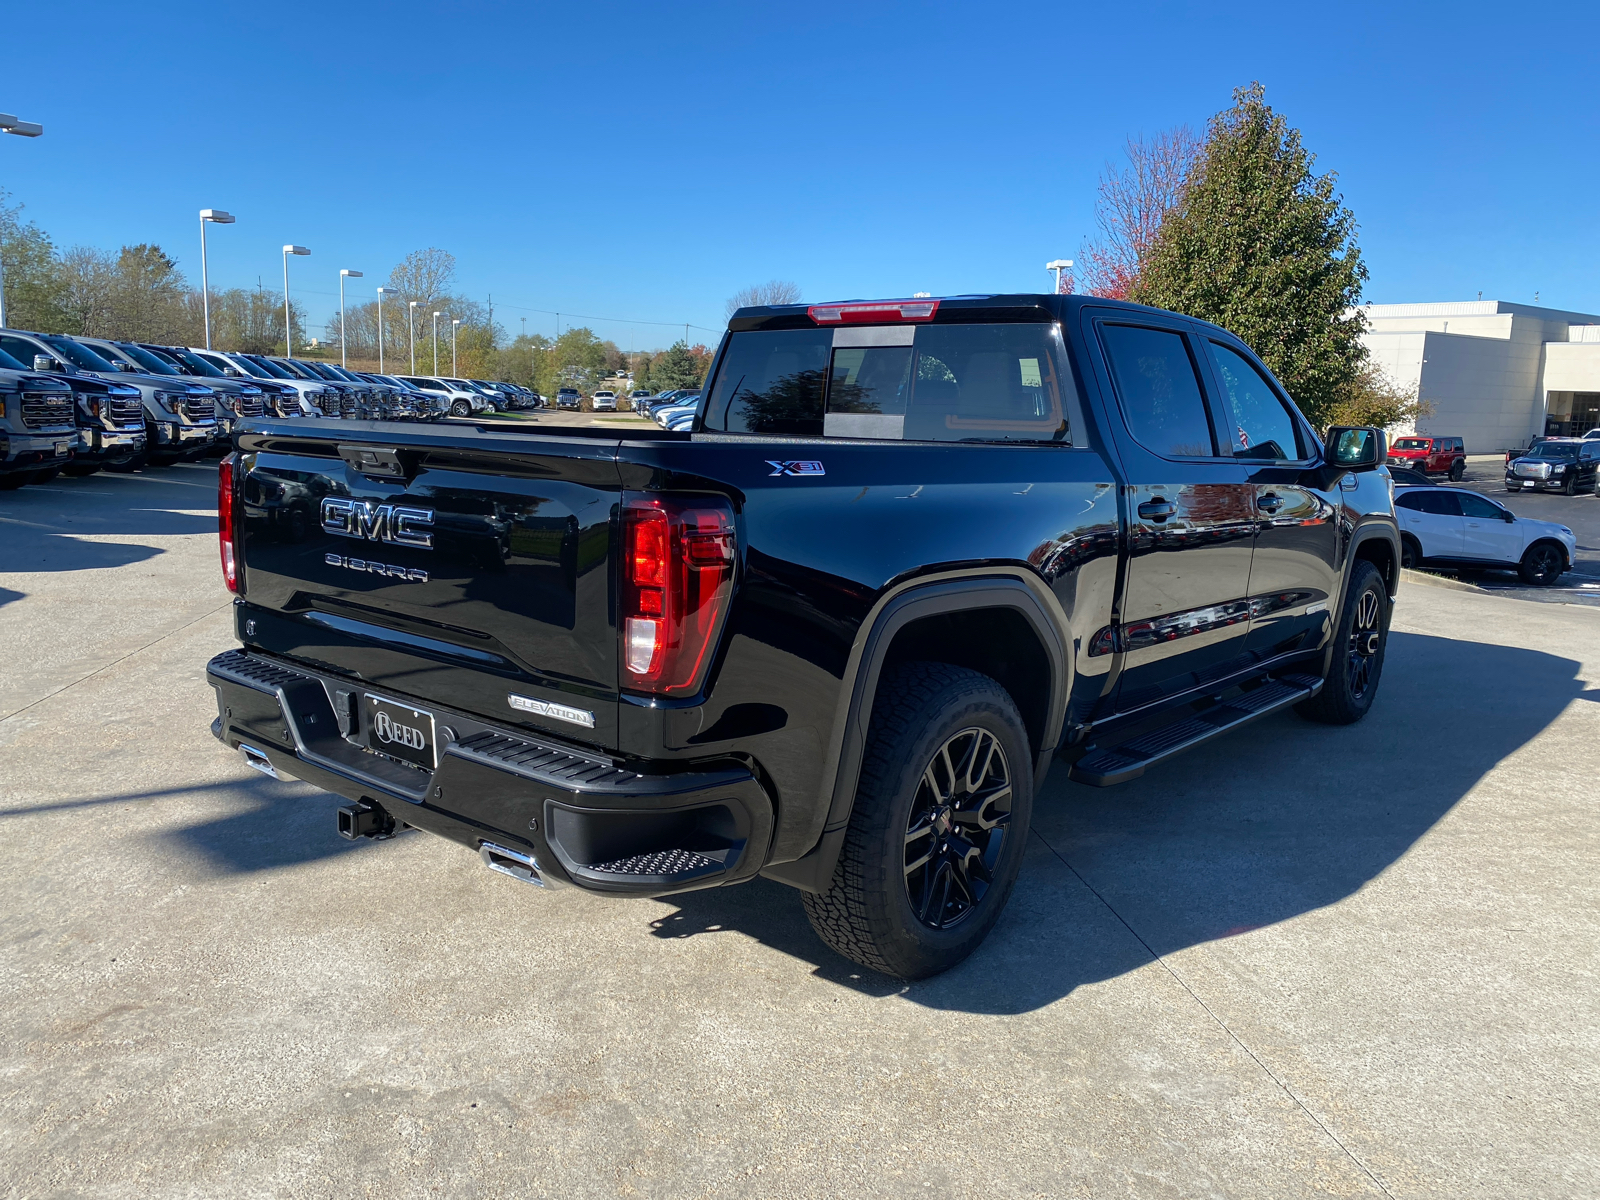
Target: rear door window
1439, 504
1159, 390
1262, 426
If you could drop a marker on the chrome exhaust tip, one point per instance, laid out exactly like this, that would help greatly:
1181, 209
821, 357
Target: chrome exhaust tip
515, 864
256, 760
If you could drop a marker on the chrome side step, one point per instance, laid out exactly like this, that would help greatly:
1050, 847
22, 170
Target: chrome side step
515, 864
1129, 760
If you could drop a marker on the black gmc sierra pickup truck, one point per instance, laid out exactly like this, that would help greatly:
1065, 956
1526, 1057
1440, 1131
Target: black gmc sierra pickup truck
911, 552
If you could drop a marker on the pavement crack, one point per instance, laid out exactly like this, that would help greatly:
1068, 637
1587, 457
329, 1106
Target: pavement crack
1223, 1025
66, 687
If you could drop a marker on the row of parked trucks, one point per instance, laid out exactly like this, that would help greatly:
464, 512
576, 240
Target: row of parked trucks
80, 404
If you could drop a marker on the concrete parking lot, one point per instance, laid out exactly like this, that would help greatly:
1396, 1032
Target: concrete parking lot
1304, 961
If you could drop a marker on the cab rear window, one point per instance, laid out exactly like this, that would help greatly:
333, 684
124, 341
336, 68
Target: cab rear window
945, 383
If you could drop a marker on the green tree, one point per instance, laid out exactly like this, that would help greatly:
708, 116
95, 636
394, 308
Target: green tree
1265, 248
33, 297
677, 367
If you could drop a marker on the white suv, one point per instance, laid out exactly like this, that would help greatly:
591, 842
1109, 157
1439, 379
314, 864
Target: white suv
1452, 527
463, 400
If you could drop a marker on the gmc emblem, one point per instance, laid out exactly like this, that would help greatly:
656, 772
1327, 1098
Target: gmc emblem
371, 522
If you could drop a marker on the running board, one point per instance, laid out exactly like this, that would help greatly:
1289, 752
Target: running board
1118, 764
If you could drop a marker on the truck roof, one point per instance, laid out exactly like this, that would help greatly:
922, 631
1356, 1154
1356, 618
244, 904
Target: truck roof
996, 306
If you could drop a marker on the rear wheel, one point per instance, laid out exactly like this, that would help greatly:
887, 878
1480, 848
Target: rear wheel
938, 830
1356, 664
1458, 470
1541, 564
1410, 553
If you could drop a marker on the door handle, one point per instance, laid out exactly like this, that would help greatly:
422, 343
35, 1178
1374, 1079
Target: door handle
1269, 503
1157, 510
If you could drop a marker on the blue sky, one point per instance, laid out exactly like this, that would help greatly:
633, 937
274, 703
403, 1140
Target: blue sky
645, 161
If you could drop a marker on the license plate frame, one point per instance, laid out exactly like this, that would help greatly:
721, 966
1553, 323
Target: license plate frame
1528, 483
393, 727
61, 449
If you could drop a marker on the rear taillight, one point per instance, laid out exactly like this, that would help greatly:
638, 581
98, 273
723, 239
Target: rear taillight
230, 559
677, 577
874, 312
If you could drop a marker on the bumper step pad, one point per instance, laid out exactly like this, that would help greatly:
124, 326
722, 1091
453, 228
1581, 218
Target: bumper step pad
1129, 760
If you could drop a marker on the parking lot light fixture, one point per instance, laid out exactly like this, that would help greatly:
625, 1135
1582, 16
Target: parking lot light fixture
381, 293
343, 275
454, 325
411, 325
10, 124
288, 319
436, 317
212, 216
1058, 265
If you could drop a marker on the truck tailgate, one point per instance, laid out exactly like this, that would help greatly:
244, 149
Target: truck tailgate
466, 566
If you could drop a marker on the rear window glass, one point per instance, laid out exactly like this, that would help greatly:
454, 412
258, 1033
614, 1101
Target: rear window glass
946, 383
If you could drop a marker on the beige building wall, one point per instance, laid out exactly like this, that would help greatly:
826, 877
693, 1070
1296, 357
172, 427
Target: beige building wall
1485, 367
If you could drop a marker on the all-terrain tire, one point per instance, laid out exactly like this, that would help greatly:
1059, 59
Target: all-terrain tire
1359, 644
1458, 471
867, 913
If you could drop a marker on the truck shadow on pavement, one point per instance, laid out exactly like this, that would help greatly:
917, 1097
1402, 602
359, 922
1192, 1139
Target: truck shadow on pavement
1278, 820
42, 528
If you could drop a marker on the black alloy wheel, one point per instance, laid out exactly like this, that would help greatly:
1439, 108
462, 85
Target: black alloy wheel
939, 824
957, 828
1355, 659
1541, 564
1361, 646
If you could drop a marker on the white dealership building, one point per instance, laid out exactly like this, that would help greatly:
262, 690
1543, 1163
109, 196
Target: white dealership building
1493, 373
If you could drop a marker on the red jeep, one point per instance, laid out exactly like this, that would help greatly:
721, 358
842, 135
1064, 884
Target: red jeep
1430, 455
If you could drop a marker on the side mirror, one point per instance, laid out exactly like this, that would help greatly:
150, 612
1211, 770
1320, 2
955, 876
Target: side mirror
1356, 447
43, 362
1508, 516
232, 372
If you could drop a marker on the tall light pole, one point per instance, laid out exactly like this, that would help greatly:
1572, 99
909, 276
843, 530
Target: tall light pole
411, 326
214, 216
381, 292
454, 325
343, 275
10, 124
288, 319
1058, 265
436, 317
